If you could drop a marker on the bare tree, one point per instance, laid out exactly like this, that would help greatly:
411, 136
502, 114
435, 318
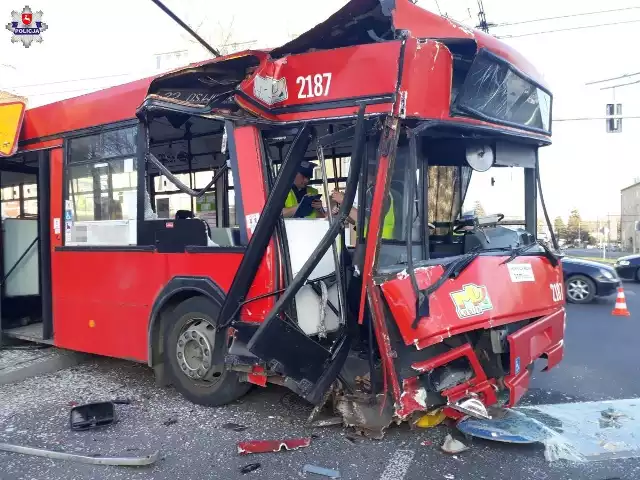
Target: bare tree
220, 35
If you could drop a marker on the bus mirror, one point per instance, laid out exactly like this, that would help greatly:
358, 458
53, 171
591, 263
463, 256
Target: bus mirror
12, 110
480, 157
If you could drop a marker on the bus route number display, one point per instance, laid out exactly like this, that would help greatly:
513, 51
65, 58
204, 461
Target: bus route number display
195, 97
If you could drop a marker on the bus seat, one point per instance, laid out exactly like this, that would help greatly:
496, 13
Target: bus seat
172, 236
184, 214
223, 237
235, 233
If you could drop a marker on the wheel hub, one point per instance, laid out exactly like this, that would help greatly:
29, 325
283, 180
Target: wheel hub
578, 290
195, 349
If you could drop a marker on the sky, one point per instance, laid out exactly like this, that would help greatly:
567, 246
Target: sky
116, 41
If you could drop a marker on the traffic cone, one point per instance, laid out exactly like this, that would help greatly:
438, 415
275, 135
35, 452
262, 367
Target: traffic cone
621, 305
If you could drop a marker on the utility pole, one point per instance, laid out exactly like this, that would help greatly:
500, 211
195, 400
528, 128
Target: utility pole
482, 18
579, 236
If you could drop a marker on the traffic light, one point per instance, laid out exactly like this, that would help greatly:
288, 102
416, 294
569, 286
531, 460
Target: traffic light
614, 125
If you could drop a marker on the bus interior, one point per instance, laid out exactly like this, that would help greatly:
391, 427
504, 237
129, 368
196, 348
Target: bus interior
21, 254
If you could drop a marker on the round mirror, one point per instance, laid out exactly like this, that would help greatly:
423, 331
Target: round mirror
480, 157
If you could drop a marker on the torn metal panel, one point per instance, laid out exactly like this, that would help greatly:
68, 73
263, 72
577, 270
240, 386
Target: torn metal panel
429, 85
412, 399
544, 337
472, 300
339, 28
265, 446
368, 417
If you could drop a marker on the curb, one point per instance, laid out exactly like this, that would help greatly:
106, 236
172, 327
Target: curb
43, 362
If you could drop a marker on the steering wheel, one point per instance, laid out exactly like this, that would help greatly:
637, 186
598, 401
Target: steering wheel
462, 224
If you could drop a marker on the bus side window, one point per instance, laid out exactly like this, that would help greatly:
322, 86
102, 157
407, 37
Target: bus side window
102, 178
18, 195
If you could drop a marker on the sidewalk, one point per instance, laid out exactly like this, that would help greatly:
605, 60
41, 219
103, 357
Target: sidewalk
20, 363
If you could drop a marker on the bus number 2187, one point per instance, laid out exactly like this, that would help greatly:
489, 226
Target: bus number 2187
556, 291
311, 86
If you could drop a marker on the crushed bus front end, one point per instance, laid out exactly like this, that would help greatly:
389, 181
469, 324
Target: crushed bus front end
429, 308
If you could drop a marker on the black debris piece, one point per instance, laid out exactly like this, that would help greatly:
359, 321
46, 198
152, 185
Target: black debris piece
250, 468
236, 427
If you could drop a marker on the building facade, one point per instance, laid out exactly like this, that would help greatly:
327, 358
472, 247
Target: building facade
630, 214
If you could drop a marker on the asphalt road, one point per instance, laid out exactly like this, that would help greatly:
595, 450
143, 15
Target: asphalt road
601, 362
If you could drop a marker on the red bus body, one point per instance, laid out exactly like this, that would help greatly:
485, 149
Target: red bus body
110, 301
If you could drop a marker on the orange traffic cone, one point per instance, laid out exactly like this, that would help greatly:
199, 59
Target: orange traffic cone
621, 305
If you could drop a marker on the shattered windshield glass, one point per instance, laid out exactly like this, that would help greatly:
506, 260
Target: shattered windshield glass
494, 90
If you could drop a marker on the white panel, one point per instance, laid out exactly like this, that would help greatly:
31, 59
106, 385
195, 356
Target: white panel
18, 235
103, 232
304, 235
308, 309
515, 155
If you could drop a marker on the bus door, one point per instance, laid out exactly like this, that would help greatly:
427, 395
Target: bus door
25, 243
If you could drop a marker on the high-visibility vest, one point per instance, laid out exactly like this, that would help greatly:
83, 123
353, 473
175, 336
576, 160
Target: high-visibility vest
292, 200
388, 223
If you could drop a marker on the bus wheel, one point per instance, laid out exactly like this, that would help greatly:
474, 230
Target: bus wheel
190, 341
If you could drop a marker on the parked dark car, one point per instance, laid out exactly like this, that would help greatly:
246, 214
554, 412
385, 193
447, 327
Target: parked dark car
585, 280
628, 267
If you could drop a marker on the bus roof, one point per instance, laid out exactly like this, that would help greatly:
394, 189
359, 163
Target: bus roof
120, 103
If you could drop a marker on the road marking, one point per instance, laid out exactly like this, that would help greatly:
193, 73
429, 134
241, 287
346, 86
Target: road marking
398, 465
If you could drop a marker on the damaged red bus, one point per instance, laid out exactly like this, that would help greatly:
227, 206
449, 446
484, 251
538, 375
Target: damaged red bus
158, 233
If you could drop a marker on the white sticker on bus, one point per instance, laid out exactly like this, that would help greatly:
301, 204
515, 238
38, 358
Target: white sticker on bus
252, 221
521, 272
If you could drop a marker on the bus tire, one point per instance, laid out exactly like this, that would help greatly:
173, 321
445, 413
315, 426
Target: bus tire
190, 339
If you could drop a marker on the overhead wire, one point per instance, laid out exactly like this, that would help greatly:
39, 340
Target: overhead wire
438, 6
620, 85
504, 24
613, 78
581, 27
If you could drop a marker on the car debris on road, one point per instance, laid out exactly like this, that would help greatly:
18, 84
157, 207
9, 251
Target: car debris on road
453, 446
236, 427
265, 446
93, 460
252, 467
326, 472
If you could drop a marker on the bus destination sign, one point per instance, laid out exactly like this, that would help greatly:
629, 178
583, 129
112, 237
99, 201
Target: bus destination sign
195, 97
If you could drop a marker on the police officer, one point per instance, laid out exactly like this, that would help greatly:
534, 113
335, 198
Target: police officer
389, 220
301, 188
